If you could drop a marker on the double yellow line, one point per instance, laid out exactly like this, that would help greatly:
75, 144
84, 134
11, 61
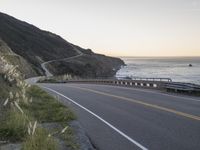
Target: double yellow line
142, 103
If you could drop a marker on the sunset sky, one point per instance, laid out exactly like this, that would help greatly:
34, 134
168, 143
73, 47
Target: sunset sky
117, 27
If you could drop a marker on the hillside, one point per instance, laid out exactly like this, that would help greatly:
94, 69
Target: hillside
23, 66
36, 46
88, 66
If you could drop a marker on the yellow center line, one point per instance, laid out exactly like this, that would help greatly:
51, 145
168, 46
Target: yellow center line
143, 103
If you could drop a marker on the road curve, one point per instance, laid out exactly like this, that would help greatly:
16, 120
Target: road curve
128, 118
48, 73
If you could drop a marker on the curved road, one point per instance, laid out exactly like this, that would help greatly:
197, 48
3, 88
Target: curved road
120, 118
48, 73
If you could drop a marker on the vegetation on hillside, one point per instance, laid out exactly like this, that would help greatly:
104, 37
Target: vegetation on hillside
24, 109
23, 66
88, 66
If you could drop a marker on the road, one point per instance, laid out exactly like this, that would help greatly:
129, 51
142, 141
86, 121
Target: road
48, 73
120, 118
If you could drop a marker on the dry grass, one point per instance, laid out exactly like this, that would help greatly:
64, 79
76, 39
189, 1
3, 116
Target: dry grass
14, 127
40, 141
22, 107
31, 104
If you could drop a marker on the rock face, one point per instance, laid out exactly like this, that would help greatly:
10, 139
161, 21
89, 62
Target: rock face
37, 46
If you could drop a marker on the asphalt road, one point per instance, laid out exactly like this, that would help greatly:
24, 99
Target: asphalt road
118, 118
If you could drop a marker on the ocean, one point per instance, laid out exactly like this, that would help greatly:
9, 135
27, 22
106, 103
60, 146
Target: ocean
176, 68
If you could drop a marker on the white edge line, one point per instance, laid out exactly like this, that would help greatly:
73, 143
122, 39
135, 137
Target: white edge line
104, 121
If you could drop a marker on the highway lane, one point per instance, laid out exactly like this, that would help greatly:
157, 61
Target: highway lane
154, 120
186, 104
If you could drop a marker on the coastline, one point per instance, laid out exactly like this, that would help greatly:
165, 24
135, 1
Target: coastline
162, 67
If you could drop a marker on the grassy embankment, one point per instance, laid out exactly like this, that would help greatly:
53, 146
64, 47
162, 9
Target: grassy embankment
43, 108
24, 110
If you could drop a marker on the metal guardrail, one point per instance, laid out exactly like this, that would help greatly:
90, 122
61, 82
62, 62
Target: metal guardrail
155, 83
183, 87
146, 79
153, 79
142, 82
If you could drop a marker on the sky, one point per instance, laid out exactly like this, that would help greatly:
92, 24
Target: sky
117, 27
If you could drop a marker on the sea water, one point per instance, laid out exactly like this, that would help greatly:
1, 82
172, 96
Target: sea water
176, 68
